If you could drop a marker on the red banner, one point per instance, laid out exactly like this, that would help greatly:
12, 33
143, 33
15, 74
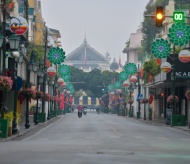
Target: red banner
62, 102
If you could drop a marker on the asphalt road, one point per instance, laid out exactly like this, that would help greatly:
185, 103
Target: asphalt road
99, 139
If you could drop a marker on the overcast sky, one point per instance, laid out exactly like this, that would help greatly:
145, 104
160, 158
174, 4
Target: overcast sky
108, 23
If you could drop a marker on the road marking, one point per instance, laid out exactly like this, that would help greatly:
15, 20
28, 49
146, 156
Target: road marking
114, 137
116, 132
139, 137
90, 137
162, 138
184, 139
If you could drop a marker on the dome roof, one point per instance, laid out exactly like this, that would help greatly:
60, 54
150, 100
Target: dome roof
114, 65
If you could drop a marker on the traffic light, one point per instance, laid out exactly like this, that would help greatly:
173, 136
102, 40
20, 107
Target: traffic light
159, 16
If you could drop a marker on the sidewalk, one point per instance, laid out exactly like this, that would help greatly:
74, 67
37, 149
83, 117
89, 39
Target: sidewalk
161, 122
22, 131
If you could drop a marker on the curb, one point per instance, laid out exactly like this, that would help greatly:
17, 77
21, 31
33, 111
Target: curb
25, 131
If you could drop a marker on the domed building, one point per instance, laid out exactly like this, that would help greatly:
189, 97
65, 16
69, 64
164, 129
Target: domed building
116, 67
87, 58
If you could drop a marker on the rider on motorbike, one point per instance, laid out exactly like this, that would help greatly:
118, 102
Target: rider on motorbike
79, 110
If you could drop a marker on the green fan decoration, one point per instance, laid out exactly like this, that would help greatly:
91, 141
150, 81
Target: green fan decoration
117, 84
179, 34
123, 76
66, 77
69, 86
72, 91
130, 68
110, 87
56, 55
161, 48
63, 69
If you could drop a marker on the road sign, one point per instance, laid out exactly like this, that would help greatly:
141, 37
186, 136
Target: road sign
178, 16
139, 97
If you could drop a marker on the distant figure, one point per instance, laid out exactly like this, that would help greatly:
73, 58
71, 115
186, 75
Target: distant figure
80, 110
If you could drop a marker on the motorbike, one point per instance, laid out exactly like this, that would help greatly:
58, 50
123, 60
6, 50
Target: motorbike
98, 111
84, 111
79, 114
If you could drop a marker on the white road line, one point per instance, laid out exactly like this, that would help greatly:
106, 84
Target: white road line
114, 137
89, 137
162, 138
138, 137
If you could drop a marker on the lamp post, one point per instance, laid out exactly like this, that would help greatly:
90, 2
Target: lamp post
14, 42
144, 103
139, 92
32, 66
40, 74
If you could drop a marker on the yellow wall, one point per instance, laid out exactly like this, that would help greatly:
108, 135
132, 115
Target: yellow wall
31, 3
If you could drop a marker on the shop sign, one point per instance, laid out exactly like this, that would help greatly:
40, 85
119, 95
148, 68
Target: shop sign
184, 56
182, 74
166, 67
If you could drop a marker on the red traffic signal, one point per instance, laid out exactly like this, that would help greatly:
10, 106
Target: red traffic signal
159, 16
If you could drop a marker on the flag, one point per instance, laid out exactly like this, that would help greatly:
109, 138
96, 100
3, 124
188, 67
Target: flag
119, 61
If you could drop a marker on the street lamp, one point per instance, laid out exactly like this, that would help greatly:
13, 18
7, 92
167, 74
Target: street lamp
32, 66
40, 73
14, 42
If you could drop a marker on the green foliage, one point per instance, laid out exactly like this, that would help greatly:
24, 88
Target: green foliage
38, 48
92, 81
150, 67
148, 25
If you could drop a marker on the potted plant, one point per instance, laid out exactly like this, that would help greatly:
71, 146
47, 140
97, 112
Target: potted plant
187, 94
47, 97
27, 93
5, 83
172, 100
32, 110
9, 117
130, 101
144, 101
39, 95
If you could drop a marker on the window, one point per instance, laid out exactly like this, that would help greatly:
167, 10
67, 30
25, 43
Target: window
139, 57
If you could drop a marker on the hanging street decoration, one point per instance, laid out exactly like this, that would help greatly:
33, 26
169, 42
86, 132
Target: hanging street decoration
184, 56
133, 79
110, 87
166, 67
66, 77
56, 55
63, 69
123, 76
160, 48
117, 85
179, 34
51, 71
130, 68
18, 25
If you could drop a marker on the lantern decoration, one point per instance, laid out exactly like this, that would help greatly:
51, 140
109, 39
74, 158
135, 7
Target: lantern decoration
141, 72
125, 83
56, 55
130, 68
184, 56
123, 76
110, 87
69, 86
158, 61
112, 93
48, 63
166, 67
63, 70
51, 71
60, 81
63, 84
133, 79
150, 77
179, 34
160, 48
117, 84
